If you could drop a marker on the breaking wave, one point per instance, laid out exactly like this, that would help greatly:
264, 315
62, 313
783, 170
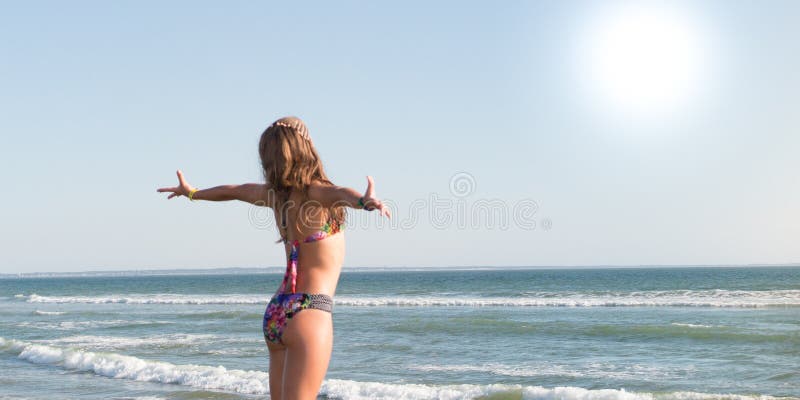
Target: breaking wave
674, 298
119, 366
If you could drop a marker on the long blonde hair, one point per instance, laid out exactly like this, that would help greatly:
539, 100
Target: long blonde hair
291, 164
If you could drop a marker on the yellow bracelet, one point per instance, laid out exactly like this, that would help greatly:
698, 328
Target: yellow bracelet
191, 194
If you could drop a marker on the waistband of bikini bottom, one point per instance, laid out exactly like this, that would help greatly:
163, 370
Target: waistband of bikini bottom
321, 302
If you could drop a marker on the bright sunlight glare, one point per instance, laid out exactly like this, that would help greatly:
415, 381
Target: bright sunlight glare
642, 60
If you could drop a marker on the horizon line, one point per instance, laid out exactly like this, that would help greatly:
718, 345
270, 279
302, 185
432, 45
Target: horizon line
272, 269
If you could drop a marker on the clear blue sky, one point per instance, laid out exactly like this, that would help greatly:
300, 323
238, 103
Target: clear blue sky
100, 103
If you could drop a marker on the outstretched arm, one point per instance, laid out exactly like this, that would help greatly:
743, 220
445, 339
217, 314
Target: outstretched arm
255, 193
330, 195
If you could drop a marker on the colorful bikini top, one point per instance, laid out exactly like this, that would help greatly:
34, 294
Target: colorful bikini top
330, 228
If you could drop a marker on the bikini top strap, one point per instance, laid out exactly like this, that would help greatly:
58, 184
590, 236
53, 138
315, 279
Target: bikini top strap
290, 276
293, 264
331, 227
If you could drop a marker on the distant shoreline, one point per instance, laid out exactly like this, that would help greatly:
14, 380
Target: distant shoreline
279, 269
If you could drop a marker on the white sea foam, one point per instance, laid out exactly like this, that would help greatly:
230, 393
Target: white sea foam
574, 393
590, 370
240, 351
94, 342
126, 367
681, 298
78, 325
501, 369
692, 325
672, 298
120, 366
39, 312
151, 299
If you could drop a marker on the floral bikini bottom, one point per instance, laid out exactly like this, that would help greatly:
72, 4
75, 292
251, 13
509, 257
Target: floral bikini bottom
284, 306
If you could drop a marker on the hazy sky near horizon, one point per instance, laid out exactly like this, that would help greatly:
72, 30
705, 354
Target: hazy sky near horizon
693, 162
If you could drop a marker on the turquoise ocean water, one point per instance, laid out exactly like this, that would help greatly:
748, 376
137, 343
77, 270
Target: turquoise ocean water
645, 333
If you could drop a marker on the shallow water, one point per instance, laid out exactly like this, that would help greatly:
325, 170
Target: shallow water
669, 333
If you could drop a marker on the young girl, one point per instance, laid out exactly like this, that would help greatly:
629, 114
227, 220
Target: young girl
309, 211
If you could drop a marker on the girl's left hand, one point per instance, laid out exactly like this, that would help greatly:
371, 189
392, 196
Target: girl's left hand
373, 203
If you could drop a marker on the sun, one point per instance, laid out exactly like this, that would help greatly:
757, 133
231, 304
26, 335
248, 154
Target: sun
641, 60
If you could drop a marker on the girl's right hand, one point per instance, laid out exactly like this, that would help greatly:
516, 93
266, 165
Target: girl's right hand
373, 203
183, 188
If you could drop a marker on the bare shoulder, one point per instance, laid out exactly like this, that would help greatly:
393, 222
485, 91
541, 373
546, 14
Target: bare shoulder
323, 192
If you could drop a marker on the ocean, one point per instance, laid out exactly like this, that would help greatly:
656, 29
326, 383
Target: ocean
481, 333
